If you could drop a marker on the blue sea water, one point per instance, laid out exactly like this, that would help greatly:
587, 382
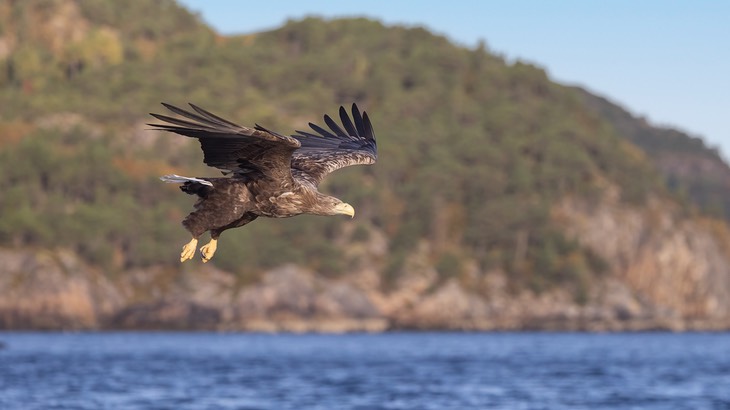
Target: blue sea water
364, 371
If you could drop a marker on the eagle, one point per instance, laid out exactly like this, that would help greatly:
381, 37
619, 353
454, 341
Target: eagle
264, 173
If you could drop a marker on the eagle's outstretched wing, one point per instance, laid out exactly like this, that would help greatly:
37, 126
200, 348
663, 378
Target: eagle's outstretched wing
329, 151
232, 147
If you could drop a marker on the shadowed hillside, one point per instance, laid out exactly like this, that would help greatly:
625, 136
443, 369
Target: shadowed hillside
690, 168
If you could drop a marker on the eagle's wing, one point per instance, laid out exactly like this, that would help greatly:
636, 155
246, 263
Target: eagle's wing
234, 148
329, 151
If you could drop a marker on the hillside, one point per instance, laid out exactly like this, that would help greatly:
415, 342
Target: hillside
690, 168
479, 159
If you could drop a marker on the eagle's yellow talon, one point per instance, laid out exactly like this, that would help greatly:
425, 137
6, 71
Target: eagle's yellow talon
188, 251
208, 250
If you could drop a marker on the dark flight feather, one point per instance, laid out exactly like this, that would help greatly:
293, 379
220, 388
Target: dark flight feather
240, 150
346, 122
324, 153
227, 145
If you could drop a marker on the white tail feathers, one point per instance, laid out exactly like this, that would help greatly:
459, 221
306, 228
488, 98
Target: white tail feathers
177, 179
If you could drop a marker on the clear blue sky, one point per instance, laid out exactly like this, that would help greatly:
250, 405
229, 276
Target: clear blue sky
667, 60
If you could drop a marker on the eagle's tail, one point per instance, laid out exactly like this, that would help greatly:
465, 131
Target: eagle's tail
191, 186
177, 179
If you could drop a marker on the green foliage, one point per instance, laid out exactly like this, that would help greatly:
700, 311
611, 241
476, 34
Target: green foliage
458, 129
393, 270
449, 265
63, 189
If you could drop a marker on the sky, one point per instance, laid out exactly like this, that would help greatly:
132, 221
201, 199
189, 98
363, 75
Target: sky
665, 60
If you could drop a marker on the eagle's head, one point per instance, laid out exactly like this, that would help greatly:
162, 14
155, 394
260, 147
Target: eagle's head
329, 205
344, 209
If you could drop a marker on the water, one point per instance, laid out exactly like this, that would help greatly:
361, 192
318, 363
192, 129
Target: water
360, 371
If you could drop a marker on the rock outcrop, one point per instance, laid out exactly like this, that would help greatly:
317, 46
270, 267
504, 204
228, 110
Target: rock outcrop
664, 267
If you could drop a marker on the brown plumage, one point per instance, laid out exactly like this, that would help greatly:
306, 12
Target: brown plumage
265, 173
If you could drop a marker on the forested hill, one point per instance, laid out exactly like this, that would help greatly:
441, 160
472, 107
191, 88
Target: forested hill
475, 152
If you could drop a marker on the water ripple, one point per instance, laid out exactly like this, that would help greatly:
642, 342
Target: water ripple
199, 371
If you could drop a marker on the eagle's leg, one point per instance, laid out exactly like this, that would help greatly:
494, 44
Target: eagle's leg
196, 224
208, 250
188, 251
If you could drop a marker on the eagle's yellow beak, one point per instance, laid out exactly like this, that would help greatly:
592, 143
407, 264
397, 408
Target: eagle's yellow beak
345, 209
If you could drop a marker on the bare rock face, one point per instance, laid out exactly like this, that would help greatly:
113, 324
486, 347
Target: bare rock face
447, 307
670, 267
55, 290
178, 299
292, 299
51, 290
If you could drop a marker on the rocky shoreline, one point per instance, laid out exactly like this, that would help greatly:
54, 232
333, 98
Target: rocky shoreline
54, 290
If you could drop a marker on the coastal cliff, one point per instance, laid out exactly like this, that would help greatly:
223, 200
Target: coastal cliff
665, 272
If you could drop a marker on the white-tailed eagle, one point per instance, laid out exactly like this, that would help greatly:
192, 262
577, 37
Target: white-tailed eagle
265, 173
